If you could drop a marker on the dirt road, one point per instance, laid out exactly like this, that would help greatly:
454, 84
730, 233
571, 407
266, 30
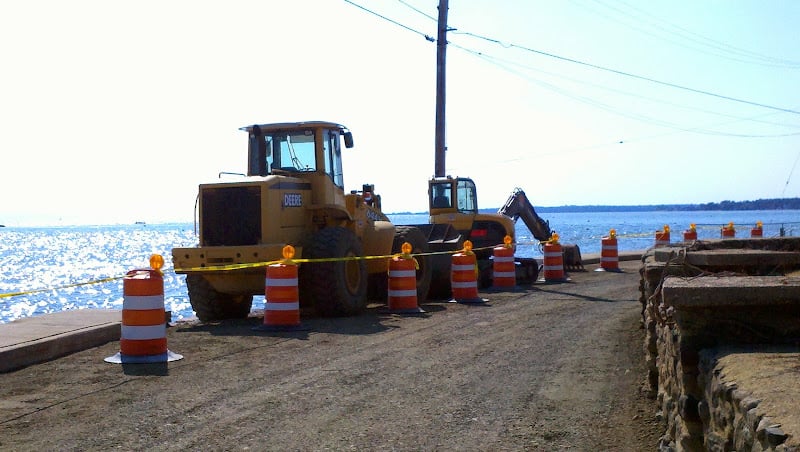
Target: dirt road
553, 367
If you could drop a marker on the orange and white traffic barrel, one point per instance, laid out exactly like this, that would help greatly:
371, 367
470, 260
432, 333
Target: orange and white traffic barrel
662, 237
504, 273
282, 296
144, 329
402, 292
609, 252
691, 233
464, 276
758, 230
728, 232
553, 260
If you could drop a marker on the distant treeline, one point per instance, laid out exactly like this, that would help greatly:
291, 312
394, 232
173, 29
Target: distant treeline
758, 204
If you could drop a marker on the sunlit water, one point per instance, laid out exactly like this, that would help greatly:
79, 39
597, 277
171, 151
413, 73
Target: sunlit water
44, 260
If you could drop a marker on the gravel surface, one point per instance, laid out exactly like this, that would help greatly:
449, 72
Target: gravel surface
549, 367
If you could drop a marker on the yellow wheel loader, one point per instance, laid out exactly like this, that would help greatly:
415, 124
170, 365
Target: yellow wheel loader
293, 193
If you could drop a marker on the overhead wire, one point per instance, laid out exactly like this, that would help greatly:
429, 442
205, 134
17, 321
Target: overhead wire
583, 63
426, 36
789, 178
417, 10
596, 103
628, 74
693, 37
491, 60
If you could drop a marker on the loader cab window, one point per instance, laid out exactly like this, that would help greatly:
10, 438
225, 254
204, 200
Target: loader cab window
467, 196
332, 153
440, 195
292, 152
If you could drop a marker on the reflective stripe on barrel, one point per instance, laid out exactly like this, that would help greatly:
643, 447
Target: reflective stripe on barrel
503, 269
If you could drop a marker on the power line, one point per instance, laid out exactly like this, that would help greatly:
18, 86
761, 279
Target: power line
427, 37
694, 42
628, 74
494, 60
417, 10
624, 93
583, 63
649, 119
697, 38
790, 174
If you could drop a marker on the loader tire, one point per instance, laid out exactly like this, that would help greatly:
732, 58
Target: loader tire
338, 288
419, 244
210, 305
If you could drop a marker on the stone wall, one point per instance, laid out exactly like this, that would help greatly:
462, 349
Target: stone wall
750, 400
702, 296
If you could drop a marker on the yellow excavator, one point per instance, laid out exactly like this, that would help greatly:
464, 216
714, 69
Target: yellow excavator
455, 218
453, 204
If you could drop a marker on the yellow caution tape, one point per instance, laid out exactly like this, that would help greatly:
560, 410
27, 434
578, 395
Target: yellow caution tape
231, 267
29, 292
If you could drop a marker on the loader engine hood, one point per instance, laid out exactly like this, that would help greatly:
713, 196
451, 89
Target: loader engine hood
253, 210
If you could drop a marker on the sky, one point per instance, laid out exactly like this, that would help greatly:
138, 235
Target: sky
114, 112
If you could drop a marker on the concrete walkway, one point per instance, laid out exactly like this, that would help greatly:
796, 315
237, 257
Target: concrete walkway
41, 338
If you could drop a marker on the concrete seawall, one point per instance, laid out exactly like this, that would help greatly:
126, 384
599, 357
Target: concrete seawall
722, 343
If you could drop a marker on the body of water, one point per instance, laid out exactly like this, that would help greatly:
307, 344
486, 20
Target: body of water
55, 266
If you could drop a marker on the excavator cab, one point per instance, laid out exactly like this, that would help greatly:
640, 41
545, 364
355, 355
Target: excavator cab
452, 195
454, 202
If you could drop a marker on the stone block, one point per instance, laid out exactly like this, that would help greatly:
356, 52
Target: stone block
735, 291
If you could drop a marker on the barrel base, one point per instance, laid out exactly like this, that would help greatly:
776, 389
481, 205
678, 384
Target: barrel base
555, 280
119, 358
514, 288
280, 328
477, 300
612, 270
406, 311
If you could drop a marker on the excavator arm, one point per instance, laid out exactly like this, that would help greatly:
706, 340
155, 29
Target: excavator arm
517, 206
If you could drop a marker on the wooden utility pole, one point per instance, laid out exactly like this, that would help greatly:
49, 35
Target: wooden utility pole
441, 49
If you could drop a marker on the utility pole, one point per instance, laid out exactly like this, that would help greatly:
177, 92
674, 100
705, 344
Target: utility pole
441, 49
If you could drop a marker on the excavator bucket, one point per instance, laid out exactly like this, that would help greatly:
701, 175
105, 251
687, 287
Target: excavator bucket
572, 257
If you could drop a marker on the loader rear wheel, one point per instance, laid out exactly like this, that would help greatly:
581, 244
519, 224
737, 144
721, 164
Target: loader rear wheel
337, 288
419, 244
210, 305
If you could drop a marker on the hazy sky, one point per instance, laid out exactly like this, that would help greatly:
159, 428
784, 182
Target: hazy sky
115, 111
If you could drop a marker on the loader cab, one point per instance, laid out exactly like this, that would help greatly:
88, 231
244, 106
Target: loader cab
305, 150
297, 148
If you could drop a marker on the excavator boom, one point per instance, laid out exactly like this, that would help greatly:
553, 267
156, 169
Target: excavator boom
517, 206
